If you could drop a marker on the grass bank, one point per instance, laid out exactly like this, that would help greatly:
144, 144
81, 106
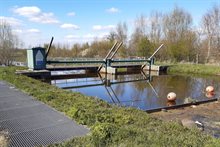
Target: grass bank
109, 125
200, 69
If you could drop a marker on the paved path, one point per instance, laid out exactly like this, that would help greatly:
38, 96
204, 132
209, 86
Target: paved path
32, 123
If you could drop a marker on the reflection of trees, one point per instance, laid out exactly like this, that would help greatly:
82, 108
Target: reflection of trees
183, 86
119, 89
140, 86
178, 84
143, 90
200, 83
138, 91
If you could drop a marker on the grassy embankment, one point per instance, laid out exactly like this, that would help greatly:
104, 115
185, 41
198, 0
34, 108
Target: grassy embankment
199, 69
109, 125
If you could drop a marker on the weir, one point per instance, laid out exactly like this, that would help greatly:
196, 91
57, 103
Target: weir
40, 66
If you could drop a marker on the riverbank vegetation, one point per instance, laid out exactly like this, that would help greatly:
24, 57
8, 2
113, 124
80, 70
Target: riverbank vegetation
199, 69
109, 125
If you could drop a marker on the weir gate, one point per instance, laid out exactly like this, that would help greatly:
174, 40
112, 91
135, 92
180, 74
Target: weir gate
40, 66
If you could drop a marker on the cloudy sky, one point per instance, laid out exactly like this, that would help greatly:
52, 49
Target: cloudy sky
77, 21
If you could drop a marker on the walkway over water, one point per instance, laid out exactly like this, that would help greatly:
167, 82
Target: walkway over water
32, 123
38, 60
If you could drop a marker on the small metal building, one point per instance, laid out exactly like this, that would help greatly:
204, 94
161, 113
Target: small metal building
36, 58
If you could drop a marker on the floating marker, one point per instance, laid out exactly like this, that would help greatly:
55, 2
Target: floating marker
209, 89
171, 96
209, 94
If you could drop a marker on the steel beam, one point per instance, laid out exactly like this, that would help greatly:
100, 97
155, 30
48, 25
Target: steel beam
75, 61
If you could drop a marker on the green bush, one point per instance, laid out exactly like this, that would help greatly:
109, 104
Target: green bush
102, 133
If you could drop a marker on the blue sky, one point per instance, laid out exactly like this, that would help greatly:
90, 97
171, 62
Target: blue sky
77, 21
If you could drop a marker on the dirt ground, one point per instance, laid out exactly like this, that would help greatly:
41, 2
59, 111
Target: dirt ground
206, 114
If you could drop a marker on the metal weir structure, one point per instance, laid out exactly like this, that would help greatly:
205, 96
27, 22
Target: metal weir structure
38, 60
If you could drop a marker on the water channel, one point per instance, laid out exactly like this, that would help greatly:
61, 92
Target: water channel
141, 90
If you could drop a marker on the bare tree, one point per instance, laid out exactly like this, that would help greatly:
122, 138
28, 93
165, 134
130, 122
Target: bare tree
211, 26
141, 25
121, 35
199, 45
178, 34
156, 27
176, 24
75, 50
121, 32
112, 36
8, 43
138, 35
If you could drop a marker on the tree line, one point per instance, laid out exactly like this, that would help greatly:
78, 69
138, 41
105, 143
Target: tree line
182, 41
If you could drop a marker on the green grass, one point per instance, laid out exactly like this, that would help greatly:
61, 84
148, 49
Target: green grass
200, 69
109, 125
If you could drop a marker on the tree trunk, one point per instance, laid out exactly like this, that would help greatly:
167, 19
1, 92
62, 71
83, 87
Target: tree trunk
209, 50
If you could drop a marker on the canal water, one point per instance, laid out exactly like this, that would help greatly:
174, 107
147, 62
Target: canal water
140, 90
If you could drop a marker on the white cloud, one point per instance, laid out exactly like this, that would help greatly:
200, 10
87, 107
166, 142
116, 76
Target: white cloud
17, 31
69, 26
100, 27
103, 35
112, 10
35, 14
72, 37
27, 11
97, 27
46, 18
89, 36
12, 21
85, 38
146, 21
33, 31
71, 14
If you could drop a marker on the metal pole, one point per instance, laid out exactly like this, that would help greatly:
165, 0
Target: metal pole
109, 59
113, 47
148, 81
150, 58
110, 95
48, 49
156, 51
111, 50
116, 50
115, 95
153, 89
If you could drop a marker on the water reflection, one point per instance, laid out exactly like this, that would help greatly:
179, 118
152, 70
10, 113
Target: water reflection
171, 103
141, 90
210, 94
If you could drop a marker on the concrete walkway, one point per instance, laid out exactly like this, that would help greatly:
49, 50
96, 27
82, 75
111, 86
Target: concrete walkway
32, 123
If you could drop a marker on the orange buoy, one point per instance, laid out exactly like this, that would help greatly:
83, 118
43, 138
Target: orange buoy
209, 89
171, 96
